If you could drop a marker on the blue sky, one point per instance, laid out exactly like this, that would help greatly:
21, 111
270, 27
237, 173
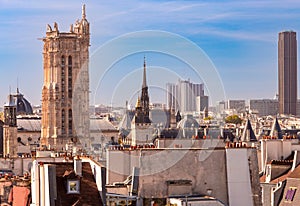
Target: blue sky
240, 38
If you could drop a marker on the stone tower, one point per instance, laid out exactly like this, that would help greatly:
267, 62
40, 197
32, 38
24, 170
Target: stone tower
10, 128
65, 93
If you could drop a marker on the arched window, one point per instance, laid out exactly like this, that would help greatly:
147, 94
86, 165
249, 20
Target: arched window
70, 76
63, 115
63, 77
70, 121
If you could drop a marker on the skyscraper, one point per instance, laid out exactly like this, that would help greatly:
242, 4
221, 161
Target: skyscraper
182, 96
287, 72
65, 94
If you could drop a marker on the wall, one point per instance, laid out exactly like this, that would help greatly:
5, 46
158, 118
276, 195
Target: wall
238, 177
120, 164
274, 149
190, 143
99, 175
267, 189
205, 169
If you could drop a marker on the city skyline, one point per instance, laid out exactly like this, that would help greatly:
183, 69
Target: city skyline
239, 37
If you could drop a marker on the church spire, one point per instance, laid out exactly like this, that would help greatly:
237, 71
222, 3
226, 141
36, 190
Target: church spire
144, 74
83, 11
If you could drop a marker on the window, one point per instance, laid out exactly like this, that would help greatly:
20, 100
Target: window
63, 77
73, 187
62, 61
70, 77
290, 194
70, 121
63, 129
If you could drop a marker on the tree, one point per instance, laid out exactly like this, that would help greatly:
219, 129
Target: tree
208, 118
235, 119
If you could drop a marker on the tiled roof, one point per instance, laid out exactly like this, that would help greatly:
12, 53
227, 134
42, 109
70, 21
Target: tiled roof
282, 177
295, 173
89, 194
101, 124
29, 124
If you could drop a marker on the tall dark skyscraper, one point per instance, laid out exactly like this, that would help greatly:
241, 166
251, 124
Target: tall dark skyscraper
287, 72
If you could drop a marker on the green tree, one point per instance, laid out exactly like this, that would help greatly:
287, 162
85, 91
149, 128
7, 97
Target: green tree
208, 118
235, 119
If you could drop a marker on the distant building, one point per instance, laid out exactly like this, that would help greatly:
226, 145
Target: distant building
1, 137
182, 96
201, 103
287, 72
65, 93
264, 107
238, 105
298, 108
221, 106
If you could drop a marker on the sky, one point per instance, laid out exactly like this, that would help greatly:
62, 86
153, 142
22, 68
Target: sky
238, 37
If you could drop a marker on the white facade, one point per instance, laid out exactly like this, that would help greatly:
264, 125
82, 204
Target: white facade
238, 177
182, 96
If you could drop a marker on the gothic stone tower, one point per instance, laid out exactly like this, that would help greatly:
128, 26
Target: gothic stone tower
65, 94
10, 128
141, 126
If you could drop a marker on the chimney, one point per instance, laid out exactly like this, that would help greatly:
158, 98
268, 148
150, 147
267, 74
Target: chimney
78, 166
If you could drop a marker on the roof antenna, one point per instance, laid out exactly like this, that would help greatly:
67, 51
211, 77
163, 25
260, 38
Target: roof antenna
83, 11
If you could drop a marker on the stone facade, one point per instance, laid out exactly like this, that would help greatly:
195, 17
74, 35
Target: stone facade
10, 128
65, 93
10, 140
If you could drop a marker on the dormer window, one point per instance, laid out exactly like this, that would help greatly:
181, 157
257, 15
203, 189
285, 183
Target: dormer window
73, 186
290, 194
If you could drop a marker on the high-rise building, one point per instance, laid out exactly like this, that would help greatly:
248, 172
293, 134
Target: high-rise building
264, 107
238, 105
65, 93
182, 96
287, 72
201, 103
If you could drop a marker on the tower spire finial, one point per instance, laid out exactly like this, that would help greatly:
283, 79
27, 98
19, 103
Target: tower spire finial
17, 85
144, 74
83, 11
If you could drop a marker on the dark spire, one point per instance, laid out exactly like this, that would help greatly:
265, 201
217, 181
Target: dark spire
144, 74
248, 133
276, 130
142, 108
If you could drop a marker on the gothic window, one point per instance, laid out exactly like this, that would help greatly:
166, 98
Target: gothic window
70, 77
63, 129
62, 61
70, 121
63, 84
